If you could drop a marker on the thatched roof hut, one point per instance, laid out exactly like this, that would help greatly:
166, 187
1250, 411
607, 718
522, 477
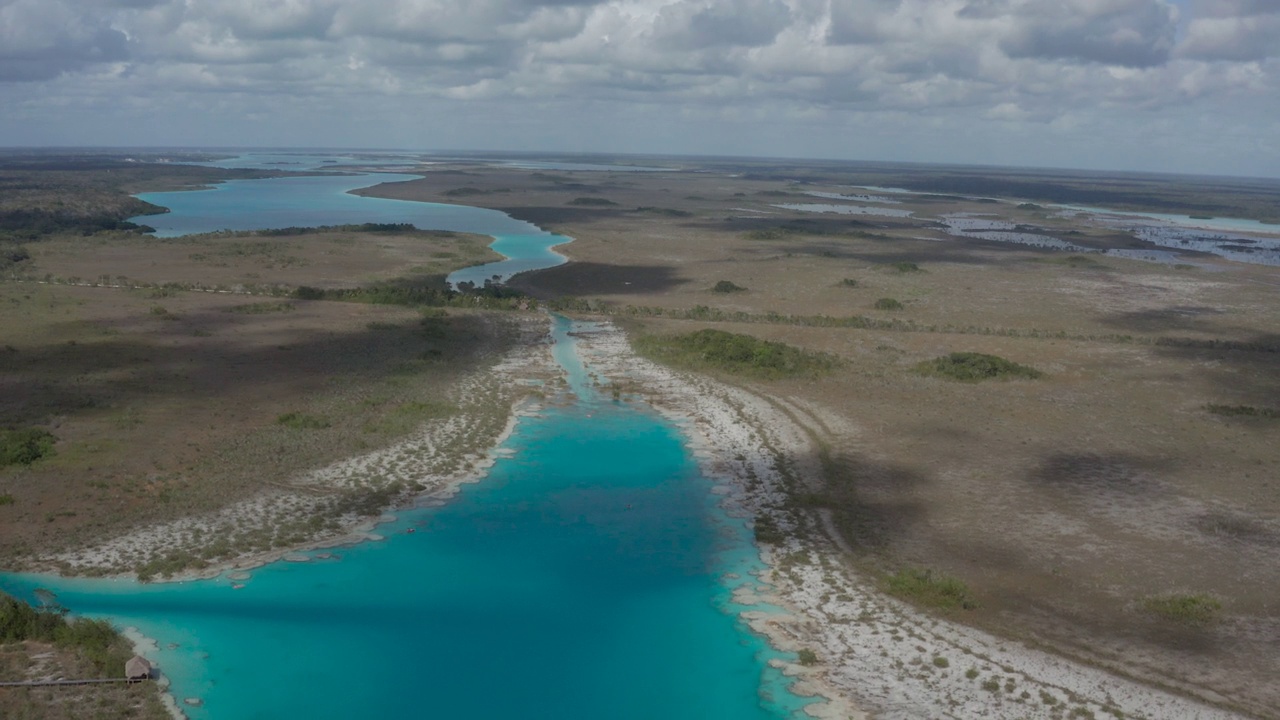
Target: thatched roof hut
138, 668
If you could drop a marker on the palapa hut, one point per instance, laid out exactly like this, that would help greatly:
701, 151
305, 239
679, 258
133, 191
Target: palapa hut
138, 668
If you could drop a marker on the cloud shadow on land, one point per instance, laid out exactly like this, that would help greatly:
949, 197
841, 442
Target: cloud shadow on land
589, 278
866, 241
550, 215
873, 504
72, 378
1076, 473
1244, 370
1181, 317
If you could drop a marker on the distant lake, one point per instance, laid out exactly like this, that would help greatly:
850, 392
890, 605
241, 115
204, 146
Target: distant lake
313, 200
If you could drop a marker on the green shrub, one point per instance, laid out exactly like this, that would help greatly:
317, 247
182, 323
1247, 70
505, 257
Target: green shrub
941, 662
767, 234
303, 421
991, 685
1243, 411
905, 267
725, 286
6, 499
849, 282
807, 657
931, 589
262, 308
593, 201
668, 212
23, 446
971, 673
734, 353
767, 531
888, 304
1194, 610
12, 255
975, 367
95, 640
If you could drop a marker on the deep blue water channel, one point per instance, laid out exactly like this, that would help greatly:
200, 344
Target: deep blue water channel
589, 575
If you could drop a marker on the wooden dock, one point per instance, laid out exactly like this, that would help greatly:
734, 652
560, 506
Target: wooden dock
47, 683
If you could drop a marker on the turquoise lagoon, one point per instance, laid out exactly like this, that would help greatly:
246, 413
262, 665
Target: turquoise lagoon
589, 575
326, 199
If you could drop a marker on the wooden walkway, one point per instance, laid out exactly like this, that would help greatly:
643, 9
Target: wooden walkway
45, 683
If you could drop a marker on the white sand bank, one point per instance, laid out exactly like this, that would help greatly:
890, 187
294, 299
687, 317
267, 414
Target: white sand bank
431, 465
876, 656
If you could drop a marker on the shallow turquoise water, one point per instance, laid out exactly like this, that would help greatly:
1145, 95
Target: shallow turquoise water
585, 577
309, 201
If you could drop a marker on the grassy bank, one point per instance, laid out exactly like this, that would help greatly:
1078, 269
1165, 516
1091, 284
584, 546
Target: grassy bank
36, 643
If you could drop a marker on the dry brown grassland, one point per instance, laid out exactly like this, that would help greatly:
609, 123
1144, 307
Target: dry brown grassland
167, 401
1069, 504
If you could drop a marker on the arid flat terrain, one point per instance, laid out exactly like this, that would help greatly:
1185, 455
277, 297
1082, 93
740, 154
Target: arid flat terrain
1140, 471
1117, 503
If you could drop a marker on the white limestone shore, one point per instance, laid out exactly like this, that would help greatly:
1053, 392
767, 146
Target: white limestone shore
430, 466
877, 657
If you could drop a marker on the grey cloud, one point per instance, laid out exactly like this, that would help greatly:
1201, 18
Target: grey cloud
447, 20
1234, 8
746, 23
1243, 38
42, 40
1133, 33
274, 20
855, 22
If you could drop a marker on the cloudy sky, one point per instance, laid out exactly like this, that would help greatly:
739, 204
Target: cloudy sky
1166, 85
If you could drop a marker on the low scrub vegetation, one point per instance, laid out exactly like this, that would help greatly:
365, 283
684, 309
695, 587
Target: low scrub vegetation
261, 308
1194, 610
12, 254
904, 267
727, 286
888, 304
734, 353
666, 212
1243, 411
23, 446
430, 294
931, 589
975, 367
464, 192
592, 201
96, 640
303, 421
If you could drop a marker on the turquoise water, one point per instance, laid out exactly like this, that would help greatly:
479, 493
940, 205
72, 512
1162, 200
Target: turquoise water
589, 575
309, 201
584, 578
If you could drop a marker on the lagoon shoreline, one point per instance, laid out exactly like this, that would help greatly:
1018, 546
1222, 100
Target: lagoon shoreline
875, 656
